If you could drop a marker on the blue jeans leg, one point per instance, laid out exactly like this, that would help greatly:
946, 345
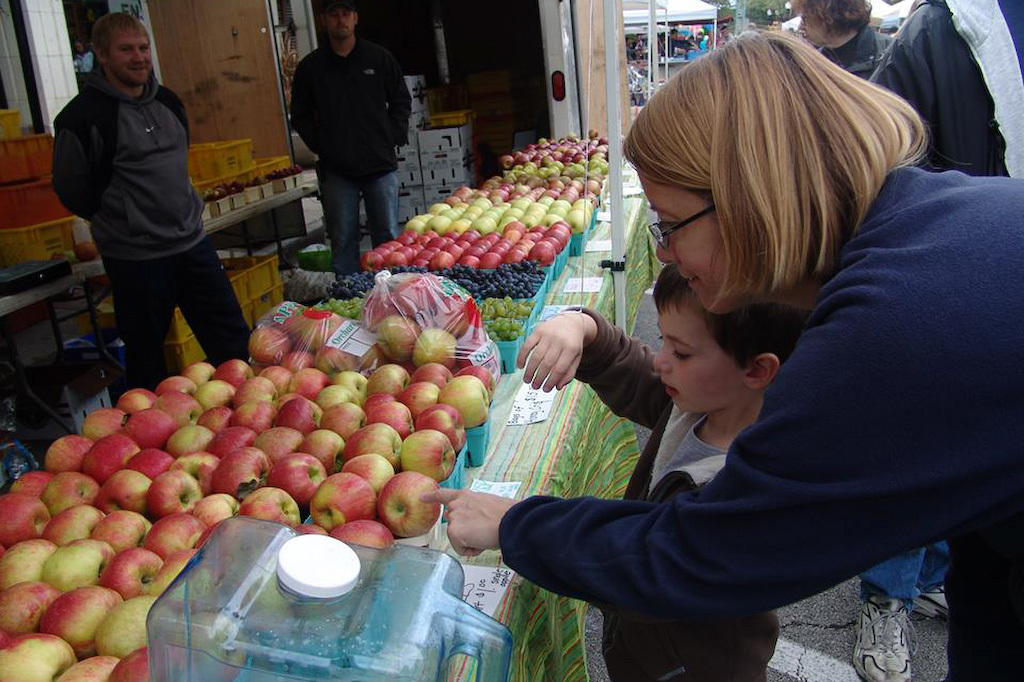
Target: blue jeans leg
381, 199
895, 578
936, 563
340, 198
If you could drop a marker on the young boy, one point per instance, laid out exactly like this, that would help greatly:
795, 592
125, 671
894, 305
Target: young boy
696, 394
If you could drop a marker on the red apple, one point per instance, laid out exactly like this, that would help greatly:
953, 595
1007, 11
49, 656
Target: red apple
490, 260
299, 475
298, 359
74, 523
230, 439
176, 383
377, 399
215, 508
234, 372
309, 529
240, 472
103, 422
400, 508
331, 360
24, 517
435, 373
216, 418
470, 260
199, 372
132, 668
125, 489
373, 467
215, 393
124, 629
23, 605
131, 572
341, 498
135, 400
200, 466
257, 415
188, 439
77, 564
428, 452
481, 373
66, 453
172, 567
278, 442
324, 445
24, 562
394, 414
418, 397
182, 407
379, 438
110, 453
92, 669
172, 534
172, 492
300, 414
67, 489
388, 378
151, 462
365, 532
434, 346
269, 345
343, 419
271, 504
396, 336
122, 529
257, 389
35, 657
32, 483
281, 377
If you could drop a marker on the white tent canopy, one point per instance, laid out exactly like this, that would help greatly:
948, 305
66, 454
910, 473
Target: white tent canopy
674, 11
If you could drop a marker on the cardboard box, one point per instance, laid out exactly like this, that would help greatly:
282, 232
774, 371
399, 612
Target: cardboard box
73, 390
446, 139
410, 203
410, 177
419, 104
436, 195
448, 176
451, 159
416, 84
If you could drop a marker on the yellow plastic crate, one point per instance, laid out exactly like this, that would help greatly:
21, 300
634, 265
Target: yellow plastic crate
10, 123
261, 305
25, 158
36, 242
447, 98
203, 161
203, 186
236, 155
252, 277
267, 164
444, 119
182, 354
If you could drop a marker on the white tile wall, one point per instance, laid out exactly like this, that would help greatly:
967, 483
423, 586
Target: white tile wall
51, 56
10, 66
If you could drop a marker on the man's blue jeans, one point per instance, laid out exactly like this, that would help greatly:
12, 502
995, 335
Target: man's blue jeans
340, 197
907, 575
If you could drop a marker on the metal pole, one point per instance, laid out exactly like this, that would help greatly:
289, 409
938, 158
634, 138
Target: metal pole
612, 42
739, 24
652, 44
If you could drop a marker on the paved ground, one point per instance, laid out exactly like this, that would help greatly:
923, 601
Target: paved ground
817, 633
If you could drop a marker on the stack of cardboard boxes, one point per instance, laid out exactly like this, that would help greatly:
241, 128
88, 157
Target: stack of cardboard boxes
446, 160
410, 174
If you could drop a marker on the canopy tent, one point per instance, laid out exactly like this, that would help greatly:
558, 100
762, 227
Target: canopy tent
880, 10
897, 13
636, 14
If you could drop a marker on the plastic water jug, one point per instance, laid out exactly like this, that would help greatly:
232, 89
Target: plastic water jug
260, 602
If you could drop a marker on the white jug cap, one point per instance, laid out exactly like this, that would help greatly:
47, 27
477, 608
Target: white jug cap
317, 566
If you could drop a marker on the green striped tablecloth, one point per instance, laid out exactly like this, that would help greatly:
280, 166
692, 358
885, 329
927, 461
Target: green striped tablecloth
581, 449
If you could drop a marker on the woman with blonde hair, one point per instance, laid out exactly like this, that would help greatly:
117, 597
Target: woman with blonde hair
896, 421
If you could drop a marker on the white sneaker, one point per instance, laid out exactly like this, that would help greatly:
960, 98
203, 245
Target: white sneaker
884, 641
932, 604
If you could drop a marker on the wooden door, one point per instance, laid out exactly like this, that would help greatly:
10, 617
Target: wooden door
219, 58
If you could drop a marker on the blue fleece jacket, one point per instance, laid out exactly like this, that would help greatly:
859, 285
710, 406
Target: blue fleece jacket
898, 420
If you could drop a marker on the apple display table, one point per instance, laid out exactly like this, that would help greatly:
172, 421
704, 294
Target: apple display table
241, 215
580, 449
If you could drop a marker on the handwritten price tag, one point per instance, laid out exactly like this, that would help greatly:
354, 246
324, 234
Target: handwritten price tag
599, 245
550, 311
588, 285
485, 586
500, 488
604, 216
530, 406
628, 191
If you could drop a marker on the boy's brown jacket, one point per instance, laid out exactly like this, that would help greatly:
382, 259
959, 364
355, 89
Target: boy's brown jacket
636, 649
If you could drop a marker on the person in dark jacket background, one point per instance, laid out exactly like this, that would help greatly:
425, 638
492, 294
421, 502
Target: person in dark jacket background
120, 160
958, 64
351, 107
839, 28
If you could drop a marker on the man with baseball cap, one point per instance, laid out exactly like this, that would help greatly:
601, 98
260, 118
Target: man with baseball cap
351, 107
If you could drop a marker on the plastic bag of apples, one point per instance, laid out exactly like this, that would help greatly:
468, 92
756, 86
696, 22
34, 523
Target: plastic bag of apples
422, 318
296, 337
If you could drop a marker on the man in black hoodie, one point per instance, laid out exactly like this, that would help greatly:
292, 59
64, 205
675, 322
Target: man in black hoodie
121, 161
351, 107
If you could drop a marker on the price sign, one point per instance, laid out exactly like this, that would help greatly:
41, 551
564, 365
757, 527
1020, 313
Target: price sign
485, 586
500, 488
352, 338
530, 406
604, 216
599, 245
628, 191
588, 285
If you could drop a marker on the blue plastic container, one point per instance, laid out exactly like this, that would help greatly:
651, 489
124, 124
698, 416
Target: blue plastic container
478, 439
508, 350
454, 481
259, 602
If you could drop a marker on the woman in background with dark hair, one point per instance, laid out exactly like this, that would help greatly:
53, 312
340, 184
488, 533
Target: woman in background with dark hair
840, 30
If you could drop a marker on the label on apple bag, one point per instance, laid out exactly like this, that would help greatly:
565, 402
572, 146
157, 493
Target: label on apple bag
352, 338
485, 586
286, 310
482, 355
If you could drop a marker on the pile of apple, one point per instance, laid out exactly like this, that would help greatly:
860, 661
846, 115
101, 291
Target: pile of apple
284, 172
118, 510
223, 191
567, 158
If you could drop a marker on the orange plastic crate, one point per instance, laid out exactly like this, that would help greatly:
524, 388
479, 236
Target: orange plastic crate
30, 203
25, 158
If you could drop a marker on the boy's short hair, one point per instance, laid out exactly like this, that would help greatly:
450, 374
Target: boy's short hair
109, 25
743, 333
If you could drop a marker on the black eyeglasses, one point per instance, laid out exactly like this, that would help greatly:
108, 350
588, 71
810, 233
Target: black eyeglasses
660, 234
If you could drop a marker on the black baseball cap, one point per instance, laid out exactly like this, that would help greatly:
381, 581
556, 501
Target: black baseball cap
347, 4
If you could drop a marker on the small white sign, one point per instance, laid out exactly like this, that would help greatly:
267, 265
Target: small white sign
485, 586
604, 216
585, 284
352, 338
629, 191
530, 406
500, 488
599, 245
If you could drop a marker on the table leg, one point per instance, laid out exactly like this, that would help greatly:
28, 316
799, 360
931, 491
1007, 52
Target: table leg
22, 380
281, 264
101, 344
58, 338
245, 238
